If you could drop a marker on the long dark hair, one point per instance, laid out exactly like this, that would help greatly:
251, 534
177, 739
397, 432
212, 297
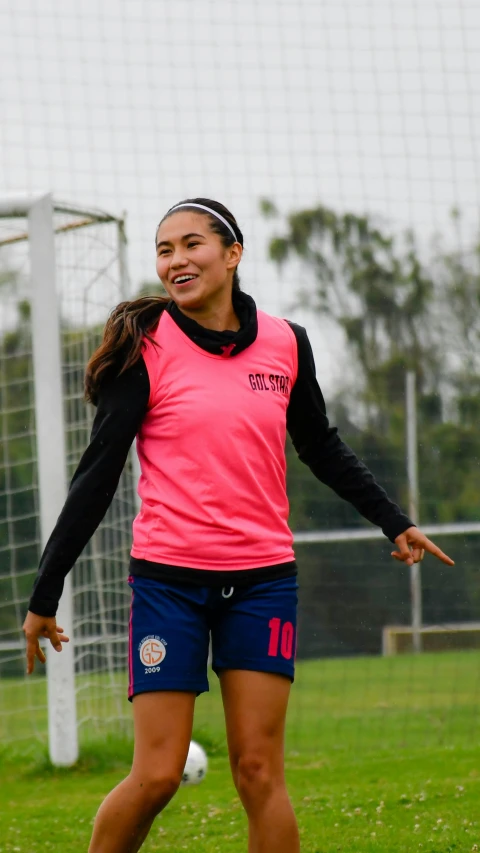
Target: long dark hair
130, 322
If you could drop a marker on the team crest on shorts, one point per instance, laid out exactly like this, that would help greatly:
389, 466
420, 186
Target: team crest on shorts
152, 651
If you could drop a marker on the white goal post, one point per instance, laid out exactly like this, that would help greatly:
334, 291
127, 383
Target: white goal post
52, 475
69, 289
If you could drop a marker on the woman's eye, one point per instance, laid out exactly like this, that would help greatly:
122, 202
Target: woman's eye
165, 251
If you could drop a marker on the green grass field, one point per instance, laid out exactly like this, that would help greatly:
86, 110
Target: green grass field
382, 755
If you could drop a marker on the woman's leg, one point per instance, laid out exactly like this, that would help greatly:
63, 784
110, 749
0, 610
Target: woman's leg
255, 708
163, 728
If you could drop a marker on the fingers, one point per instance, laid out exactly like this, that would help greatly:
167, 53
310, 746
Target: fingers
56, 641
412, 546
56, 637
435, 550
38, 626
417, 554
34, 649
40, 654
404, 554
31, 654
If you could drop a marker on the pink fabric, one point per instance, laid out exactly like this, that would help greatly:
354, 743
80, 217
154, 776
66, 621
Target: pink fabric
212, 451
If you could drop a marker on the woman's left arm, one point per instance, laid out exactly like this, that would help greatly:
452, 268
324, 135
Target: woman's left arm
334, 463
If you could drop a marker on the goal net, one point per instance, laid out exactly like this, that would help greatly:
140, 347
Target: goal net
55, 296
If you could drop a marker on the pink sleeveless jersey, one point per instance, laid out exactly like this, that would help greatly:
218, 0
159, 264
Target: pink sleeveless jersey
212, 451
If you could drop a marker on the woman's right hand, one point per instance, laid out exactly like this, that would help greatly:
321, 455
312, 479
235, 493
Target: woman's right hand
35, 627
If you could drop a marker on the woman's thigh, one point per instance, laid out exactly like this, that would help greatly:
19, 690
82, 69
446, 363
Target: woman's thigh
255, 706
163, 723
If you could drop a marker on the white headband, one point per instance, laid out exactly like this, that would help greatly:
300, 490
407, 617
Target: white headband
209, 210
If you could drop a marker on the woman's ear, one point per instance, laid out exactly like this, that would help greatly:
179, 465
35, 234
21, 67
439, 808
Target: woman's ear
234, 255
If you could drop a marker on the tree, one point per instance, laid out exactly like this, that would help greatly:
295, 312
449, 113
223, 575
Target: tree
457, 274
374, 286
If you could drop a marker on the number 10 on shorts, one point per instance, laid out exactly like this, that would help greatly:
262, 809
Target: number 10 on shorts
281, 638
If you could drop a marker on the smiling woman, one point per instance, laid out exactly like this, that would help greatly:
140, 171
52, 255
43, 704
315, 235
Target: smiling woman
209, 386
199, 248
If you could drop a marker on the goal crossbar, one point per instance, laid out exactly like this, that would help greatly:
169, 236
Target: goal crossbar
19, 207
357, 535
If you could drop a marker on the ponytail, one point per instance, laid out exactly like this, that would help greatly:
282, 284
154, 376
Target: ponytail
121, 346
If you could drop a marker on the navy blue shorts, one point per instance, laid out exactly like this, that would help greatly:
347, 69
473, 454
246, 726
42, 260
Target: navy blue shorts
251, 627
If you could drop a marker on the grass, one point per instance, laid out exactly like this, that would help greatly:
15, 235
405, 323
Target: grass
382, 755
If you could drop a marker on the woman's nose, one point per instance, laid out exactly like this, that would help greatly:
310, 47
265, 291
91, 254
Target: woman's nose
178, 259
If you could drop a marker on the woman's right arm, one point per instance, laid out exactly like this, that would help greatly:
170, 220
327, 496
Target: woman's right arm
121, 408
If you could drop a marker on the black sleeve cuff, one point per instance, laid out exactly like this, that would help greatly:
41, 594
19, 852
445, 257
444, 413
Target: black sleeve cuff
396, 525
43, 607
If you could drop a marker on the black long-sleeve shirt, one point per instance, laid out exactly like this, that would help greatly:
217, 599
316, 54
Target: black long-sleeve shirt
121, 408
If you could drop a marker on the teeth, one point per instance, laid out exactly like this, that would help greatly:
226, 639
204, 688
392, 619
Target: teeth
182, 278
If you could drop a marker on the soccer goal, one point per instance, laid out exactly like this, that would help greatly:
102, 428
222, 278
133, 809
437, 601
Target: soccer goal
62, 269
398, 639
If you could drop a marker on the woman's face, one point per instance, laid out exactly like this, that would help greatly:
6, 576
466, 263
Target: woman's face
192, 263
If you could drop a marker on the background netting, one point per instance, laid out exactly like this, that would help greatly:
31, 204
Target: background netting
371, 106
363, 108
89, 279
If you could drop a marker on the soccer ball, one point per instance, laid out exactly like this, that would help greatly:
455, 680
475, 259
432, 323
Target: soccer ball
196, 766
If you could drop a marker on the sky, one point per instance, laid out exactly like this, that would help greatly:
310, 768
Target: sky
132, 105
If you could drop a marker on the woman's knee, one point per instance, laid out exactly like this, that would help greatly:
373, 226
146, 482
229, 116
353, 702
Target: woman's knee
157, 789
255, 779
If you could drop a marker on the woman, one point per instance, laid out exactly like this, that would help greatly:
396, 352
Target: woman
209, 385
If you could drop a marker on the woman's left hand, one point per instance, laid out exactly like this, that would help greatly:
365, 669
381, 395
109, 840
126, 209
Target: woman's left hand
412, 544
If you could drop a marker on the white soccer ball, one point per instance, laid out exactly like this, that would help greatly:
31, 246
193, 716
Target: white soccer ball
196, 766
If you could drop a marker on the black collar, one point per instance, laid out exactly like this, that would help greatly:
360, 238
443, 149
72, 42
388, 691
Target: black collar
221, 343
